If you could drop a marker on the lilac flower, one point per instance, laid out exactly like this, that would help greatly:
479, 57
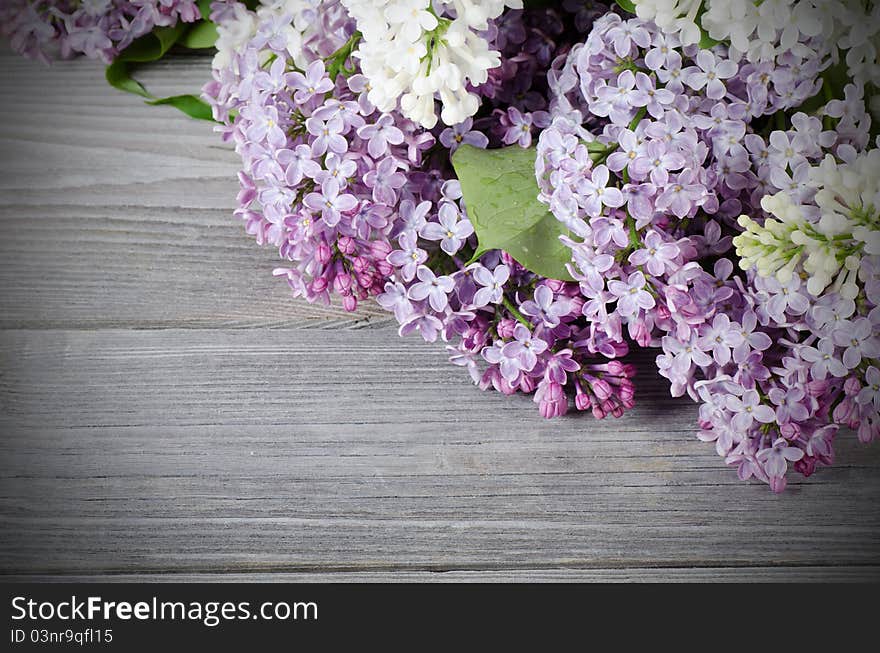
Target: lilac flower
518, 125
786, 298
751, 370
592, 266
409, 257
859, 339
720, 337
300, 164
626, 34
657, 162
449, 230
508, 363
655, 100
630, 148
433, 288
671, 72
870, 394
492, 290
617, 101
749, 409
662, 47
596, 193
790, 405
313, 83
751, 338
545, 308
524, 349
337, 167
330, 203
385, 180
631, 294
657, 256
640, 203
682, 195
395, 299
783, 151
264, 125
559, 365
427, 325
831, 311
710, 73
380, 134
346, 110
327, 135
823, 360
686, 353
463, 133
776, 458
413, 217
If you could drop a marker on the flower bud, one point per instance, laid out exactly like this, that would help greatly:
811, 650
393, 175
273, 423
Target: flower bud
554, 401
505, 328
349, 303
346, 245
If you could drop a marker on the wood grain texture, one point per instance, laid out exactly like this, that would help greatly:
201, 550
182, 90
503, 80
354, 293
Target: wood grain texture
290, 450
166, 413
632, 575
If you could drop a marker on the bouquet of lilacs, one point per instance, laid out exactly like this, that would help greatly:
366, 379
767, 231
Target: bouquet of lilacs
542, 186
98, 29
387, 152
659, 154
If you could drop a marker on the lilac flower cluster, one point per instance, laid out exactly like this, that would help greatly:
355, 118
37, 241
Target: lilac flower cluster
527, 332
326, 177
653, 150
98, 29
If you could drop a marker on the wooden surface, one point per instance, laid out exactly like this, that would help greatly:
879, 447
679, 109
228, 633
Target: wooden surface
167, 413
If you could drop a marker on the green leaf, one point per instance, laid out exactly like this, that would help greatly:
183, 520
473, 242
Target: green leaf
152, 47
501, 196
188, 104
627, 5
118, 77
202, 35
706, 41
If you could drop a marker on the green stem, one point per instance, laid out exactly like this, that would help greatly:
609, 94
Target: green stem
336, 62
515, 312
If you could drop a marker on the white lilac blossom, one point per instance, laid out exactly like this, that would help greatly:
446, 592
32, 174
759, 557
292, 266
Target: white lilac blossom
778, 357
98, 29
824, 238
414, 51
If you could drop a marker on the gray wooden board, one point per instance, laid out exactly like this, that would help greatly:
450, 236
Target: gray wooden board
168, 413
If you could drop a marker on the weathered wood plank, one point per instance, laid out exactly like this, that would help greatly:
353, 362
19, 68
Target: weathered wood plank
73, 267
645, 575
278, 450
114, 213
